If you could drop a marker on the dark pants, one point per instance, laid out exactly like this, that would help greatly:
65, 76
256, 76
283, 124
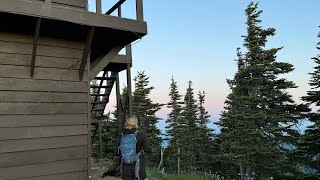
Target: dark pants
128, 171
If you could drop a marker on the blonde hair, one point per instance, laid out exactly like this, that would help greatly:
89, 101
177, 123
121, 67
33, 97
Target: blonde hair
131, 122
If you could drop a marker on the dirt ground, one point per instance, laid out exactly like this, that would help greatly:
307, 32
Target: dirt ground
98, 167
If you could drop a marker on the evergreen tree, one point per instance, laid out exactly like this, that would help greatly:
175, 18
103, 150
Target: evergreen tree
175, 114
206, 142
145, 110
109, 135
190, 139
125, 101
173, 128
259, 112
310, 144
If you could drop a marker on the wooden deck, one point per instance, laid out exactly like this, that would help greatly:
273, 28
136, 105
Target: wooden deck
82, 17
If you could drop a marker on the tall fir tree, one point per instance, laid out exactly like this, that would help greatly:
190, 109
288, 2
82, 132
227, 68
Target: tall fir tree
259, 112
125, 100
109, 135
145, 110
189, 141
206, 146
173, 128
175, 114
310, 141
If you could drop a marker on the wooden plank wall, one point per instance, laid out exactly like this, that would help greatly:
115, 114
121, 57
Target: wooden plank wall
74, 3
51, 142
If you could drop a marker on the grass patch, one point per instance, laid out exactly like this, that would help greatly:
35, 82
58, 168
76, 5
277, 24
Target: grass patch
154, 174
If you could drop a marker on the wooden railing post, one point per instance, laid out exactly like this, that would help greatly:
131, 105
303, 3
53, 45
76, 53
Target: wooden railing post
86, 5
98, 7
119, 11
139, 10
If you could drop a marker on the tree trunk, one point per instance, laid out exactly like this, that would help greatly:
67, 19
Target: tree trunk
161, 160
242, 172
178, 160
248, 173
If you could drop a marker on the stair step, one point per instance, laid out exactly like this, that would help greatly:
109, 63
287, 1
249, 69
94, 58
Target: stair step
101, 102
96, 117
104, 78
94, 86
99, 94
98, 109
95, 122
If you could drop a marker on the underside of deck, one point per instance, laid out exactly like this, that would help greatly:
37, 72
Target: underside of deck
21, 17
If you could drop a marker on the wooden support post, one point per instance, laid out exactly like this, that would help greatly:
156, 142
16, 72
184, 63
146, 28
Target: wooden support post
85, 54
86, 5
139, 10
129, 88
101, 62
98, 7
35, 45
47, 2
119, 11
119, 109
129, 55
89, 126
100, 139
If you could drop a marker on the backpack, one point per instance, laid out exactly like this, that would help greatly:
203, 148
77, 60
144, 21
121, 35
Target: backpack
128, 147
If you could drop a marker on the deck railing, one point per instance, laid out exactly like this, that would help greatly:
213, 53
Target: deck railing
116, 6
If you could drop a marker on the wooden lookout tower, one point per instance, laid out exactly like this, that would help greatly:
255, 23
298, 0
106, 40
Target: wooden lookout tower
50, 113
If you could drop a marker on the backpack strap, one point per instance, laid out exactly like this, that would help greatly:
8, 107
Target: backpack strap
120, 142
137, 167
136, 133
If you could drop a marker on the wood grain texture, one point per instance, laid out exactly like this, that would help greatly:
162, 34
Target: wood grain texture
66, 176
41, 132
77, 3
34, 97
41, 143
41, 156
51, 142
43, 50
42, 108
48, 41
43, 169
41, 61
23, 72
8, 121
12, 84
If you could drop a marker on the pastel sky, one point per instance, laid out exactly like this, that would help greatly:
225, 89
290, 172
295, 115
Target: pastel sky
197, 41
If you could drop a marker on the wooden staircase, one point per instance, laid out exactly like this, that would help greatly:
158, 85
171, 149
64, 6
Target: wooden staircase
100, 94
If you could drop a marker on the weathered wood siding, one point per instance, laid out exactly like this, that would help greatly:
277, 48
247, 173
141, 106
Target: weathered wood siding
75, 3
43, 120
